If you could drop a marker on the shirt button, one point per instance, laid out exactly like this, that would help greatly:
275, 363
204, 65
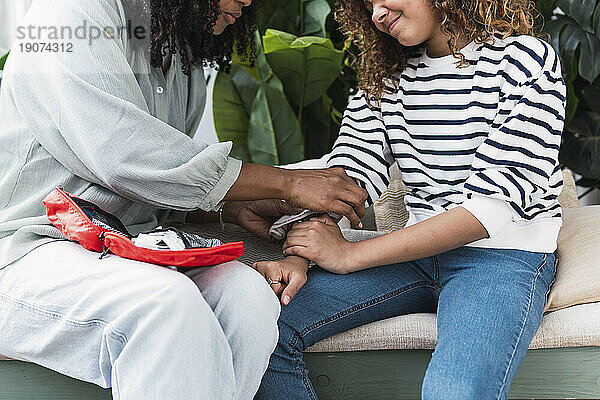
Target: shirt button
207, 207
160, 90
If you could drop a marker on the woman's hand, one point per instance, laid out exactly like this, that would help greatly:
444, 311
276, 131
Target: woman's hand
328, 190
288, 276
257, 216
321, 241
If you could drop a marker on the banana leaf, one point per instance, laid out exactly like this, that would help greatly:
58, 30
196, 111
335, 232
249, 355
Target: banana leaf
316, 126
308, 65
230, 111
250, 108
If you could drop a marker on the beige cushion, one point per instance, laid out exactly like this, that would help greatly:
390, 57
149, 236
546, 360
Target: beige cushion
578, 273
571, 327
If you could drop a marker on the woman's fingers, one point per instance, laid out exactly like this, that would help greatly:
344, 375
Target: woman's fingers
329, 190
278, 288
295, 241
301, 251
272, 273
296, 281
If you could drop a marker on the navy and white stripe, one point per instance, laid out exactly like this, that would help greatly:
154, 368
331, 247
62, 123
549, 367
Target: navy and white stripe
491, 130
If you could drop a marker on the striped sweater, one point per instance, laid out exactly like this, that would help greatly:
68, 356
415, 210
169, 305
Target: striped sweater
485, 137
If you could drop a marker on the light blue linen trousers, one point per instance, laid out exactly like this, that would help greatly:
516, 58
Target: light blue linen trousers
146, 331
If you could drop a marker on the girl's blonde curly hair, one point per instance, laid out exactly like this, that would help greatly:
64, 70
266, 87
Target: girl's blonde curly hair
381, 56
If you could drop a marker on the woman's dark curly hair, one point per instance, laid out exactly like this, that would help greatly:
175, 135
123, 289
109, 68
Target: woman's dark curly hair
381, 56
185, 27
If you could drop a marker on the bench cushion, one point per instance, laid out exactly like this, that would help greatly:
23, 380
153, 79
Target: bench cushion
578, 272
570, 327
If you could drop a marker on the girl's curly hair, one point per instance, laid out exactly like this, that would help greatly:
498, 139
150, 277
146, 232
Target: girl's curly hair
185, 27
381, 56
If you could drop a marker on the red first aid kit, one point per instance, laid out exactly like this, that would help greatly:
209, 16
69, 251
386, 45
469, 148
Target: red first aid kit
97, 230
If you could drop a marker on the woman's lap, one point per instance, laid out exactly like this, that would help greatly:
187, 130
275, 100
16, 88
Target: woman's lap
62, 307
486, 300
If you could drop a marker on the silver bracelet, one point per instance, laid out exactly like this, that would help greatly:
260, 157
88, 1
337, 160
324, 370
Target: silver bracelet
221, 217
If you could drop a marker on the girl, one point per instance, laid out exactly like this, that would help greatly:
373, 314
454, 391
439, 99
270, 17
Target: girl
109, 115
470, 104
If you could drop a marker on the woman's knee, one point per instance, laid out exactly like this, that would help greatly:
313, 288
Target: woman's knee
169, 298
241, 299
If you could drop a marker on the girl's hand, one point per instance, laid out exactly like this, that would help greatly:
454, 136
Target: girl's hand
320, 240
288, 276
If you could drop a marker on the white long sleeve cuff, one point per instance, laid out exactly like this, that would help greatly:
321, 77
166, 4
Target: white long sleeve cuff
493, 214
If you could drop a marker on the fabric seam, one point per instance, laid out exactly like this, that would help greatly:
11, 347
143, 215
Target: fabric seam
122, 338
527, 313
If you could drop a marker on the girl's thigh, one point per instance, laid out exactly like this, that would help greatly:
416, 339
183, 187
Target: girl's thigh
489, 309
330, 303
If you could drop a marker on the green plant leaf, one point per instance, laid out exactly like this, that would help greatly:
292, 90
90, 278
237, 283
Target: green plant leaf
272, 15
596, 21
553, 28
572, 101
581, 11
274, 135
580, 149
315, 16
251, 109
575, 41
591, 96
545, 7
316, 126
308, 65
3, 61
230, 111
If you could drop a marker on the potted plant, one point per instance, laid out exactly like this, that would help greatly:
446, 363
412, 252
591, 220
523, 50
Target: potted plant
288, 106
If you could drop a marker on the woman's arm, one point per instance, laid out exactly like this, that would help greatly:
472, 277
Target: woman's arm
323, 243
314, 189
88, 111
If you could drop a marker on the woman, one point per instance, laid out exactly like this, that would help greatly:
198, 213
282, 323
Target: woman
107, 111
471, 105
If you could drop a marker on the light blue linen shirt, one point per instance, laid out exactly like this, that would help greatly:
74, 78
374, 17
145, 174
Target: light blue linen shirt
103, 124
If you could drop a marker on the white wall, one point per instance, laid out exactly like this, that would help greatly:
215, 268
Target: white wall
206, 131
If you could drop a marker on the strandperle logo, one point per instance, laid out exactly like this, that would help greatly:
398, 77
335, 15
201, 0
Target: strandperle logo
84, 31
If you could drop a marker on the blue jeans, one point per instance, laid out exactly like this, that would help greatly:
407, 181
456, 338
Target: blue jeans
489, 305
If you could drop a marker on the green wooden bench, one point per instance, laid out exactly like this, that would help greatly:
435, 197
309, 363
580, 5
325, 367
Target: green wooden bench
563, 373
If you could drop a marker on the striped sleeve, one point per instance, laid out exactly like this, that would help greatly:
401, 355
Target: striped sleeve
362, 148
517, 161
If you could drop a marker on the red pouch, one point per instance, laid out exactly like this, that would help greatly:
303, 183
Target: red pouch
96, 230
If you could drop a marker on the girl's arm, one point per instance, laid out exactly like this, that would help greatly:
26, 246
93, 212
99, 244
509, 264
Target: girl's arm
321, 240
444, 232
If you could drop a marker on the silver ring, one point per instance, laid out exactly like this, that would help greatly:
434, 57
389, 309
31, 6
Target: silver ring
270, 281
